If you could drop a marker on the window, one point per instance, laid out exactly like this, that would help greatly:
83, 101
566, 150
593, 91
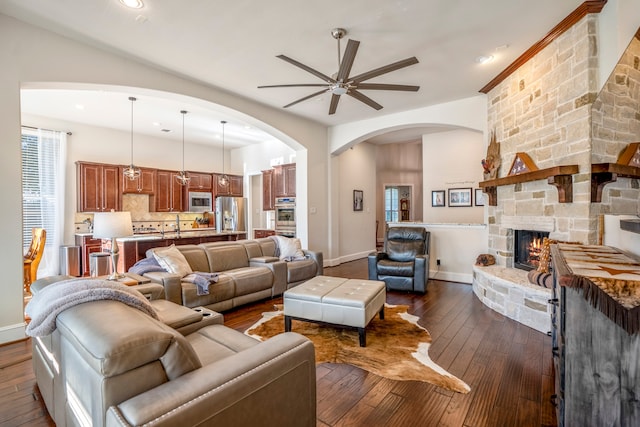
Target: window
391, 204
42, 189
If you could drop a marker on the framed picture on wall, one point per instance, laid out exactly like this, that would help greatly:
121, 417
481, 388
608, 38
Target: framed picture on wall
437, 198
459, 197
358, 200
479, 197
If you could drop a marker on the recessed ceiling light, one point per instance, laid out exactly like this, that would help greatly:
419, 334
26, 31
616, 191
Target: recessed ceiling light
484, 59
156, 123
79, 106
133, 4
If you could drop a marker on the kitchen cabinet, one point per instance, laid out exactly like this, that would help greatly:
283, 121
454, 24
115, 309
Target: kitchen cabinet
284, 180
258, 234
233, 189
132, 251
267, 190
144, 184
200, 181
88, 246
98, 187
169, 195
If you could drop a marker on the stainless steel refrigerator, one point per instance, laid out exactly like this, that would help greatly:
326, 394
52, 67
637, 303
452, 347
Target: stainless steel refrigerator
231, 214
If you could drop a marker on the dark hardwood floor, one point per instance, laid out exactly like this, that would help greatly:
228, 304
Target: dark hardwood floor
507, 365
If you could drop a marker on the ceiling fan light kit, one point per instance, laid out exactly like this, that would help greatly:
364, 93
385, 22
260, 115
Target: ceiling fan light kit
341, 83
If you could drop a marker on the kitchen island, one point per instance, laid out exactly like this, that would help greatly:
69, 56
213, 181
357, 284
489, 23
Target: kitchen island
134, 248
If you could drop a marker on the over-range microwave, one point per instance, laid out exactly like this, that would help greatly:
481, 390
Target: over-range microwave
200, 201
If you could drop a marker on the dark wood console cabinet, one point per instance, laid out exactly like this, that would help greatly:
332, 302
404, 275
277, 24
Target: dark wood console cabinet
596, 340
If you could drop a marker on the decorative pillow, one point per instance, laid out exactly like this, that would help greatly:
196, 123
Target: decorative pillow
145, 265
172, 260
541, 279
290, 249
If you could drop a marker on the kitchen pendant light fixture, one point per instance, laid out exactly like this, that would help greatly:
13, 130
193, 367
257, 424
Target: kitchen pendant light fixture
223, 179
131, 172
183, 177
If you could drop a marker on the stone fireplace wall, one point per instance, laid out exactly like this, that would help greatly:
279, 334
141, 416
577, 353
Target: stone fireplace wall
616, 123
544, 109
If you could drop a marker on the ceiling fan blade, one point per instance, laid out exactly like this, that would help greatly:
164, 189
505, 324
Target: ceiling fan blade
307, 69
347, 60
297, 85
363, 98
384, 70
383, 86
305, 98
334, 104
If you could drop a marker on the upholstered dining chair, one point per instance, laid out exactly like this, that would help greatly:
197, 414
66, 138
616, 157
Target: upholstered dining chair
403, 264
33, 257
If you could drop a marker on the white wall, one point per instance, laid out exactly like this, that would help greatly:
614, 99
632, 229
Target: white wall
71, 64
617, 24
357, 168
452, 160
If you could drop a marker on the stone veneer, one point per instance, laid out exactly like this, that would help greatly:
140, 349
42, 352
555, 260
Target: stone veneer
508, 292
544, 109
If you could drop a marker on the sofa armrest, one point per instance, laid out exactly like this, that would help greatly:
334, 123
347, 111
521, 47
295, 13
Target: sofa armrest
172, 284
279, 270
273, 383
317, 257
372, 263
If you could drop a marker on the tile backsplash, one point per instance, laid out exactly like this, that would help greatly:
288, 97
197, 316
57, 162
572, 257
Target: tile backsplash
143, 220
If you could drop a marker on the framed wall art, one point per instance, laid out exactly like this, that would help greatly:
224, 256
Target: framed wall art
459, 197
438, 198
358, 201
479, 197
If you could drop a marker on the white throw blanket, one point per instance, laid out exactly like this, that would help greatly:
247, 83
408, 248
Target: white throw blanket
52, 300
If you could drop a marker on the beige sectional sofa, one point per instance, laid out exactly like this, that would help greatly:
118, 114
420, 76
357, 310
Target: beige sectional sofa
249, 271
108, 363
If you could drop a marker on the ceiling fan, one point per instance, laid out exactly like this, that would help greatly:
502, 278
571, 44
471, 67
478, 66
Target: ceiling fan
342, 83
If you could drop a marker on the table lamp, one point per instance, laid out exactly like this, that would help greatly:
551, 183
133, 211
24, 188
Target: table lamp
111, 225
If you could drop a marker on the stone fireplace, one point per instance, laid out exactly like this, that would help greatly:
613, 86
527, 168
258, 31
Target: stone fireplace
527, 245
550, 109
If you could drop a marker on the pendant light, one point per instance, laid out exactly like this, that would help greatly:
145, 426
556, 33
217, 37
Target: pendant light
183, 177
223, 179
131, 171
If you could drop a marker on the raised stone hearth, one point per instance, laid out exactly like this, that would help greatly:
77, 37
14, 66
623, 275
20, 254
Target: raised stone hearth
508, 292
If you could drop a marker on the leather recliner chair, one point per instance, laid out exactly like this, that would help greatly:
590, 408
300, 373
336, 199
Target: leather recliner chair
404, 262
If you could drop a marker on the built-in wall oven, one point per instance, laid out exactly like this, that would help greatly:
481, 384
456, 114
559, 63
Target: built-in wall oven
285, 216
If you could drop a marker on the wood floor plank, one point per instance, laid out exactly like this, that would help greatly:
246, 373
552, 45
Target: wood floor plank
473, 342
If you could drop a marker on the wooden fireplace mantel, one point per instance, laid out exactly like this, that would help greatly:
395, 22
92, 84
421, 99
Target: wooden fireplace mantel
604, 173
558, 176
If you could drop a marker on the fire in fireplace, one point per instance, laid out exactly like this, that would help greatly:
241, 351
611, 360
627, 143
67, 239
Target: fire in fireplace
526, 248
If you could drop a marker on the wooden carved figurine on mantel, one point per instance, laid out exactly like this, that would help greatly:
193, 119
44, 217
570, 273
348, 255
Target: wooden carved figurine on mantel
491, 164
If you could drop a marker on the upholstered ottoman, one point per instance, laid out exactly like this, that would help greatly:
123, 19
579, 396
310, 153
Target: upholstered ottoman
336, 301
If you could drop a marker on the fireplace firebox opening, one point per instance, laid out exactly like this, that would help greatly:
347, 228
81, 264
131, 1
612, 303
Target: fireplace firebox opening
526, 248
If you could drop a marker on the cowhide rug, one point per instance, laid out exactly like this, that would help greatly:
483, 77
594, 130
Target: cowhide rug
397, 347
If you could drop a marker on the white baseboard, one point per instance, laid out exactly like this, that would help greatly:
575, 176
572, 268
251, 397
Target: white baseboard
12, 333
451, 276
351, 257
